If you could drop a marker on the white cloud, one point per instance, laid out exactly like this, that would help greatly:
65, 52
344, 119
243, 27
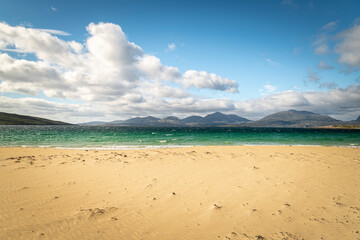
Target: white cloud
203, 79
163, 91
12, 50
53, 9
323, 65
341, 103
347, 45
267, 88
106, 68
55, 32
45, 46
349, 48
28, 77
151, 67
114, 78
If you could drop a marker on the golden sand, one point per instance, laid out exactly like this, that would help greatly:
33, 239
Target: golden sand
232, 192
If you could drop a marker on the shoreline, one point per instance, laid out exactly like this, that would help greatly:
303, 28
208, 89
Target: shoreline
135, 147
218, 192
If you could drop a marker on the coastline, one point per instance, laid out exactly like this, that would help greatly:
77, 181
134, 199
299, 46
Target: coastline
201, 192
154, 147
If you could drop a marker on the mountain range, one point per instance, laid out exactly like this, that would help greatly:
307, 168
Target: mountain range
289, 119
293, 118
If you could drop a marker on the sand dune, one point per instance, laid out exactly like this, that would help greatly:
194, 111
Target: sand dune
235, 192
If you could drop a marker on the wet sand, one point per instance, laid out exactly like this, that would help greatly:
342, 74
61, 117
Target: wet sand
227, 192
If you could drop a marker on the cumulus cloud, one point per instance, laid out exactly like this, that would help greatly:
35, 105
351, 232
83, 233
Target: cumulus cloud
340, 103
105, 67
164, 91
349, 48
347, 45
203, 79
151, 67
114, 78
45, 46
28, 77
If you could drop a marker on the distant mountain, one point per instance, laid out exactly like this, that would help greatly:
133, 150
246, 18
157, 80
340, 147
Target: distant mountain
15, 119
214, 119
93, 123
290, 119
138, 121
219, 118
170, 121
293, 118
192, 120
358, 119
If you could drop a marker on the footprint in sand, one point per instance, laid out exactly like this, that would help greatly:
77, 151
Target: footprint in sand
94, 213
216, 206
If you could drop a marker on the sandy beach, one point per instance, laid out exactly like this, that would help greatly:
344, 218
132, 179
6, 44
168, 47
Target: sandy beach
227, 192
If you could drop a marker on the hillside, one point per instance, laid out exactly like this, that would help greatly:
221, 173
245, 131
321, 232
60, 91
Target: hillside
219, 118
15, 119
284, 119
293, 118
214, 119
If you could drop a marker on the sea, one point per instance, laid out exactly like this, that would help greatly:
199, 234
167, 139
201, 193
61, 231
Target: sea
115, 137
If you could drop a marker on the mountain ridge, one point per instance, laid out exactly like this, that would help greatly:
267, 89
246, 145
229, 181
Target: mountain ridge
290, 119
294, 118
286, 119
17, 119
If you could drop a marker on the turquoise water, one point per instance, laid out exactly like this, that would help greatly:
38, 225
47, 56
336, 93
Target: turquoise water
113, 137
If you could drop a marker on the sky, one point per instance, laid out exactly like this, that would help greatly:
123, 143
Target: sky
80, 61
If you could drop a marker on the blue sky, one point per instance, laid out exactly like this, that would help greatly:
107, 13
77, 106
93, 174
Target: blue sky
250, 58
